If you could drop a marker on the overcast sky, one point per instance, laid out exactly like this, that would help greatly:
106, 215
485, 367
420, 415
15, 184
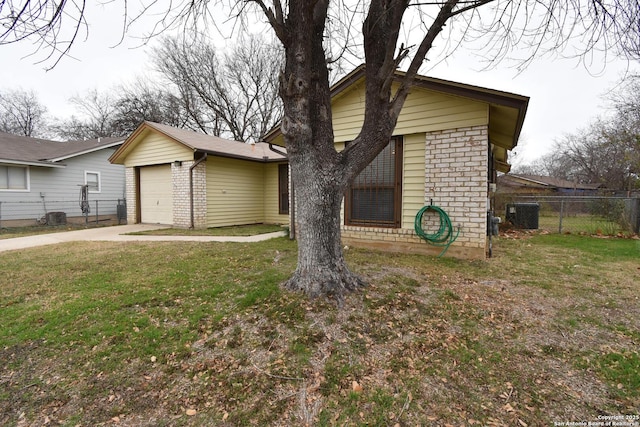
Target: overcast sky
565, 96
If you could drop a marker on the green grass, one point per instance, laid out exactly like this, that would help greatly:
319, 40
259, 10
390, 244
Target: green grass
192, 334
576, 224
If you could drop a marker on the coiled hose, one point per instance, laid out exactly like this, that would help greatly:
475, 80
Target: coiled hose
445, 235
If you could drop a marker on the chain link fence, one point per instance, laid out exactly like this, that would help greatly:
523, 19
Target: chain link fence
61, 212
570, 214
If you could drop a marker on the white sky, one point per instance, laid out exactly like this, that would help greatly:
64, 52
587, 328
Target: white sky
565, 96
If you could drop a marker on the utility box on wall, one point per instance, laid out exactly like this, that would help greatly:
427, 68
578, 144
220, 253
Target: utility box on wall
523, 215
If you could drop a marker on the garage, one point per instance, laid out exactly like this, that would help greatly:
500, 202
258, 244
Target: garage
156, 194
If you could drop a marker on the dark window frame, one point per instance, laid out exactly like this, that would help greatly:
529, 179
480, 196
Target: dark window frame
283, 189
351, 217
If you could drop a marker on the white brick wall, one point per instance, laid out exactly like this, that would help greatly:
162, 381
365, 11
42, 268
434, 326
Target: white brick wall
456, 180
200, 196
130, 194
182, 195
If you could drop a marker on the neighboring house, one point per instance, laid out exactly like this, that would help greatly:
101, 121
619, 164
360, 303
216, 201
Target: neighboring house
187, 179
450, 141
544, 185
39, 176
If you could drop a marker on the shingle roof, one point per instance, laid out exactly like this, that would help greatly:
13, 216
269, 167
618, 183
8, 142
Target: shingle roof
548, 181
42, 151
205, 143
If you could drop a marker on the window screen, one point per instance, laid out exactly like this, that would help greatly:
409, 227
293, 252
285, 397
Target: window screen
375, 195
92, 179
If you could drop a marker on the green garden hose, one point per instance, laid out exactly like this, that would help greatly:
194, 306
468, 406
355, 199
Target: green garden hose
444, 236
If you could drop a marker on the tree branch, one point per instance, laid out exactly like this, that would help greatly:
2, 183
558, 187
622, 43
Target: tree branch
276, 20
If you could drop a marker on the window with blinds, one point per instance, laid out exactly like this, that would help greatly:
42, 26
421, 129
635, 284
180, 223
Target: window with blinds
375, 196
14, 178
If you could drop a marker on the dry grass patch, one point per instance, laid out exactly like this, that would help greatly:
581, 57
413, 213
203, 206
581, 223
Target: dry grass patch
201, 334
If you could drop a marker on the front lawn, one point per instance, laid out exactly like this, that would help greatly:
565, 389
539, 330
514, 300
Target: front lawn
199, 334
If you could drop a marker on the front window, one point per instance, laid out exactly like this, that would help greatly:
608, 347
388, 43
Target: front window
375, 196
14, 178
92, 180
283, 189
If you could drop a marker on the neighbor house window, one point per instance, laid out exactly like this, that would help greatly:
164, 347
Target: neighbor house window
92, 179
376, 193
14, 178
283, 189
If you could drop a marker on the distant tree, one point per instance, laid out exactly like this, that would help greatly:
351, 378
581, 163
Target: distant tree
233, 94
626, 103
21, 113
606, 152
142, 101
95, 115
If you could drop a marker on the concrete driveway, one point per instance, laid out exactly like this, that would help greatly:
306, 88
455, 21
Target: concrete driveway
118, 233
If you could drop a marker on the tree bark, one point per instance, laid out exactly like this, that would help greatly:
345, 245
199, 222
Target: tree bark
320, 174
321, 269
317, 170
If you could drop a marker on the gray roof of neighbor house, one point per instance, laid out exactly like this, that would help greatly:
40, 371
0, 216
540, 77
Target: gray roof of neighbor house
540, 181
16, 149
203, 143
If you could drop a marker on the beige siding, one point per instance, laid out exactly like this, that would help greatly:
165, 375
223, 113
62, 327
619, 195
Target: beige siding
234, 192
271, 201
423, 111
155, 148
413, 178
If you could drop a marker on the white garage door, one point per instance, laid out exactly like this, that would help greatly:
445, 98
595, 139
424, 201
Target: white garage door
156, 195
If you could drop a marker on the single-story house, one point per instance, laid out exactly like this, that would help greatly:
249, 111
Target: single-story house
187, 179
39, 177
450, 141
523, 184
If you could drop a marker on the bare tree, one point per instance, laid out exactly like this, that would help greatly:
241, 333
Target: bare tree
143, 100
95, 115
322, 174
21, 113
233, 94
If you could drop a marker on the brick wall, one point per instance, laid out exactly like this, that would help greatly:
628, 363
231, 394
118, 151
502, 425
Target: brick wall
130, 194
455, 180
182, 195
200, 196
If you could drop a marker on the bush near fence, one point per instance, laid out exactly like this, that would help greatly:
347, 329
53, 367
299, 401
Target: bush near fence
30, 213
579, 214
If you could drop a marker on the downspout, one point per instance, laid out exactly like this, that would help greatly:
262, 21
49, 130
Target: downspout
191, 168
292, 207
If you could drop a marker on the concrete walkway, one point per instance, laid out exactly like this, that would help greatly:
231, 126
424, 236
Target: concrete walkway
118, 233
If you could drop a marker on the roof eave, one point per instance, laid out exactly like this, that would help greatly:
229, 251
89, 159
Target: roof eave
87, 151
241, 157
45, 164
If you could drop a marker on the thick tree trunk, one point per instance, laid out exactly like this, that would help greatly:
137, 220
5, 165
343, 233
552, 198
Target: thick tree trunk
321, 270
319, 173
